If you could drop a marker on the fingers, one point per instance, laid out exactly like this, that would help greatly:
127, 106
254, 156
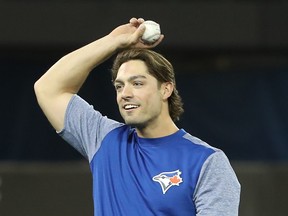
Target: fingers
133, 20
141, 20
136, 36
136, 21
140, 29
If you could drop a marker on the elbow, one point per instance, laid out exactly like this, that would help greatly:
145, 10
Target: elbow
41, 91
37, 88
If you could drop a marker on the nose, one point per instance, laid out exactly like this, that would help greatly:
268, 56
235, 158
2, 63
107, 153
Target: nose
127, 92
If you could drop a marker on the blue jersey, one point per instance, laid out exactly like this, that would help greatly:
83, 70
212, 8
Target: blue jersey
173, 175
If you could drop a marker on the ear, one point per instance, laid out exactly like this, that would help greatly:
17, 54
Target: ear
167, 89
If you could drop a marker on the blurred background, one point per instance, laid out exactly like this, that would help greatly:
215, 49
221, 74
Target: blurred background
231, 63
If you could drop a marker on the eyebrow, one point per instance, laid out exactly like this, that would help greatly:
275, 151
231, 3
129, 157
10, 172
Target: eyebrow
131, 78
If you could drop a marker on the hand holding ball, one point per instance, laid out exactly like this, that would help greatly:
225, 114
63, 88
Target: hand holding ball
152, 32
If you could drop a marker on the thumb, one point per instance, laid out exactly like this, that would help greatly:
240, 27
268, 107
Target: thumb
140, 31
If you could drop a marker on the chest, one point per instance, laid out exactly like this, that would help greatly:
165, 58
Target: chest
160, 180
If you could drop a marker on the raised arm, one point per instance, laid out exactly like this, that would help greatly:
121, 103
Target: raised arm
64, 79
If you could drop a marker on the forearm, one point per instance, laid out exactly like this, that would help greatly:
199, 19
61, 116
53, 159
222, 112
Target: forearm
69, 73
64, 79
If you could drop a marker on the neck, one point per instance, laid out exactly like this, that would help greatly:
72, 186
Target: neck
165, 128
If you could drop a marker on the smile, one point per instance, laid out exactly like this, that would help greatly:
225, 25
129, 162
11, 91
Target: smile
130, 106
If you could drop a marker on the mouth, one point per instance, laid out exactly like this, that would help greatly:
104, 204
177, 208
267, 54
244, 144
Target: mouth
130, 107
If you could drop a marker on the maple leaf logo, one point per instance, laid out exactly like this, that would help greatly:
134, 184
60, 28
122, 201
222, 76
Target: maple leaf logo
168, 179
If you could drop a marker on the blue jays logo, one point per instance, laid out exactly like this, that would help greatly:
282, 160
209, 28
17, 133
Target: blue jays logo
168, 179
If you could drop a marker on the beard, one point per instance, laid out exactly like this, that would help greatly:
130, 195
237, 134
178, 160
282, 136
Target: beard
140, 121
135, 123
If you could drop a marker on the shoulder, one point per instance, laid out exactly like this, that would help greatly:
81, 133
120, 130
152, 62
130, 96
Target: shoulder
80, 110
198, 146
197, 141
215, 157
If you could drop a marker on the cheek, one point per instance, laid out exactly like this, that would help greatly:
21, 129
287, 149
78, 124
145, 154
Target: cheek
153, 99
118, 98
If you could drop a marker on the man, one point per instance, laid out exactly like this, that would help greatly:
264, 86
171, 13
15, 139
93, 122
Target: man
146, 166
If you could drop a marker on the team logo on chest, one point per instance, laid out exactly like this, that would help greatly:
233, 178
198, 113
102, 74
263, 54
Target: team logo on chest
168, 179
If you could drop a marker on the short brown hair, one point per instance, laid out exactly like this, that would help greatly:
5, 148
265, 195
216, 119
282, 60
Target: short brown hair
159, 67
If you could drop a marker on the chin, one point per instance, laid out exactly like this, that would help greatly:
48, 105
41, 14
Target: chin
133, 123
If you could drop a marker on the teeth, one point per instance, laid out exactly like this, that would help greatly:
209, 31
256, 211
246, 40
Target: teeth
130, 106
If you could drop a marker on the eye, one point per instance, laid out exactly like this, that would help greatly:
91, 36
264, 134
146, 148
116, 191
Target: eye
118, 87
138, 83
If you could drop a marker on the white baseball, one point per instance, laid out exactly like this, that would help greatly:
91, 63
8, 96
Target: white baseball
152, 32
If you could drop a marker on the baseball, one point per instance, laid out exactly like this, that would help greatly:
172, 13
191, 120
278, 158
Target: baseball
152, 32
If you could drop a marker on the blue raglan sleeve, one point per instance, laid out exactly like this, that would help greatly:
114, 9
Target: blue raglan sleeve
85, 128
218, 189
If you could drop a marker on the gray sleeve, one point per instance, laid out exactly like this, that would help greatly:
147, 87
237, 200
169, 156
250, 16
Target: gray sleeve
85, 128
218, 190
